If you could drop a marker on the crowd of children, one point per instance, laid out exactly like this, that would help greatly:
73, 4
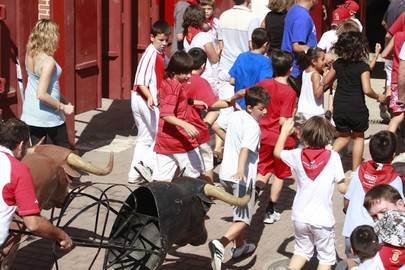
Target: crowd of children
248, 83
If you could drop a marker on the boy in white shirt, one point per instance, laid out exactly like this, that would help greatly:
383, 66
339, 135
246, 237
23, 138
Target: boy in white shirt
317, 170
241, 143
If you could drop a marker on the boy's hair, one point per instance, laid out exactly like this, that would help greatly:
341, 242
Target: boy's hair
317, 132
259, 37
12, 132
305, 59
381, 192
255, 95
352, 47
180, 63
199, 57
364, 242
382, 146
160, 27
239, 2
281, 62
194, 16
347, 26
279, 6
207, 3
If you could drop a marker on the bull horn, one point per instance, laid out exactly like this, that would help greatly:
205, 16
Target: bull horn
83, 165
32, 148
212, 191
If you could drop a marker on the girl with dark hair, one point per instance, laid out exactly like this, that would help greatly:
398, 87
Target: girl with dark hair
350, 112
196, 37
310, 102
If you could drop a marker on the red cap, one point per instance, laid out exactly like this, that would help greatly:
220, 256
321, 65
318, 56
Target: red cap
352, 6
339, 15
193, 2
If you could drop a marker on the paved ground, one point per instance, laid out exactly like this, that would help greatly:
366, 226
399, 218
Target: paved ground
110, 128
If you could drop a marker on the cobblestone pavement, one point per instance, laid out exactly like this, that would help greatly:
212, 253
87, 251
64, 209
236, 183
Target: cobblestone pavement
274, 242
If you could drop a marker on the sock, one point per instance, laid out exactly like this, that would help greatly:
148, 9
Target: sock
270, 207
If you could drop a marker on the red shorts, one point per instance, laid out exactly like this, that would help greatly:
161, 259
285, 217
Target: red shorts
268, 163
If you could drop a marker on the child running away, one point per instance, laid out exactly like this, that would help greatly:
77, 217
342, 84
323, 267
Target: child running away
317, 171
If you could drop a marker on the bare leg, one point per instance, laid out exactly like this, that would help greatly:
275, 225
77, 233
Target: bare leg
297, 262
234, 232
323, 267
341, 141
276, 189
262, 180
358, 149
395, 122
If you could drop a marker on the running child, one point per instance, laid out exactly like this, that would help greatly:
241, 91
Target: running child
281, 107
238, 171
317, 171
176, 139
148, 79
310, 102
350, 112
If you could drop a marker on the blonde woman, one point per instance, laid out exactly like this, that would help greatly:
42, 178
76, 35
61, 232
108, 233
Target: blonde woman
44, 108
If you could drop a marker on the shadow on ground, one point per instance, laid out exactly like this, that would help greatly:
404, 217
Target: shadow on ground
103, 127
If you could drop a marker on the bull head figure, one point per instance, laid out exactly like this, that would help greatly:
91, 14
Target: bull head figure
51, 167
160, 214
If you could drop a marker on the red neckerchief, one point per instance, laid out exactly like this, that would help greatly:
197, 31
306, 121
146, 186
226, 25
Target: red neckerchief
210, 22
372, 174
191, 33
314, 160
159, 69
392, 257
193, 2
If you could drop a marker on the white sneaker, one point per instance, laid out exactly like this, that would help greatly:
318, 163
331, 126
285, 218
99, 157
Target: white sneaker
145, 172
271, 218
246, 248
217, 254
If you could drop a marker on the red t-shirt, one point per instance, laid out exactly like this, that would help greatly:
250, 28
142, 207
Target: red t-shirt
198, 88
172, 139
282, 103
399, 39
19, 190
398, 25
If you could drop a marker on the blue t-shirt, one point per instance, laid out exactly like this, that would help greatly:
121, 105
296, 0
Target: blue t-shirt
249, 69
298, 27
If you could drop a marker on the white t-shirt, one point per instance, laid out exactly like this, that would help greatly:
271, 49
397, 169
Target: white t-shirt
356, 214
242, 131
236, 26
307, 103
199, 41
327, 40
313, 200
402, 53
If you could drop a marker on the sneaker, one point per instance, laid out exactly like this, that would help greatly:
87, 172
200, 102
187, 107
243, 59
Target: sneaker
134, 181
217, 254
271, 218
244, 249
144, 172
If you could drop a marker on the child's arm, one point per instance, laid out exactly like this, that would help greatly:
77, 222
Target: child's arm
242, 160
345, 205
232, 81
189, 128
316, 83
376, 55
387, 52
219, 131
212, 54
343, 185
286, 130
149, 99
327, 80
365, 82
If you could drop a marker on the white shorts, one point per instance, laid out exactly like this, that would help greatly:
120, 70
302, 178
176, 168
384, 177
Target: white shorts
308, 236
241, 214
207, 156
167, 164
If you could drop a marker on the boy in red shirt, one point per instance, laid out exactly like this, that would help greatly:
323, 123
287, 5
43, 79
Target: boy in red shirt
176, 139
198, 88
281, 107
